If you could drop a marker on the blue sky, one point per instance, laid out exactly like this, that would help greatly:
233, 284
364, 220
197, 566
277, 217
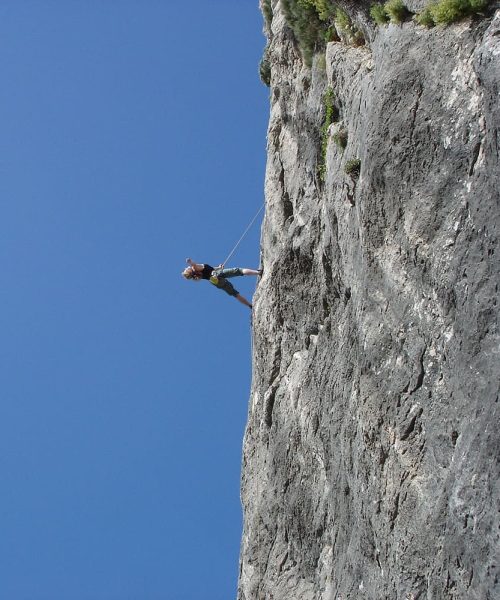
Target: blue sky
133, 136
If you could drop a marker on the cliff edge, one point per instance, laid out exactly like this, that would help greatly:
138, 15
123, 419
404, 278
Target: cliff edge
371, 453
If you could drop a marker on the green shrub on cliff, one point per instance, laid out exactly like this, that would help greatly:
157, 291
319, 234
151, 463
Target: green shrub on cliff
331, 35
393, 11
331, 115
342, 19
267, 11
446, 12
353, 167
347, 29
396, 11
265, 65
265, 70
324, 8
307, 26
315, 22
425, 17
340, 138
378, 14
331, 112
450, 11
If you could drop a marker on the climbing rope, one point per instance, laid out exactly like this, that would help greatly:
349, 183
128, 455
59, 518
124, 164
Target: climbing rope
244, 234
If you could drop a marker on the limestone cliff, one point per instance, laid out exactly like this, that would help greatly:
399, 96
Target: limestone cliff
371, 454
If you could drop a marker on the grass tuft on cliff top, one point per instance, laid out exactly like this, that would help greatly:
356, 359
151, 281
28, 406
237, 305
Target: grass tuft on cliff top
316, 22
446, 12
442, 12
378, 14
396, 11
308, 27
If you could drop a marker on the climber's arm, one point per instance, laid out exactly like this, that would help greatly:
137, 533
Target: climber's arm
196, 266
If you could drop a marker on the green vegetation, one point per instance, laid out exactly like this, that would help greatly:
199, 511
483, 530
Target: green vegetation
265, 70
378, 14
324, 8
331, 115
265, 65
346, 27
331, 112
307, 26
425, 18
393, 11
267, 11
340, 138
315, 22
442, 12
446, 12
331, 34
342, 19
396, 11
353, 167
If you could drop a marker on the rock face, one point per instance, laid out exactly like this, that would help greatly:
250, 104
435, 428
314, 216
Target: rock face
371, 454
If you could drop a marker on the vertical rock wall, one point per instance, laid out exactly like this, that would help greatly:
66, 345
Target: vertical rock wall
371, 455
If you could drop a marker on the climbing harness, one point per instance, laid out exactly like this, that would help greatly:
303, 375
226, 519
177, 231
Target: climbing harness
244, 234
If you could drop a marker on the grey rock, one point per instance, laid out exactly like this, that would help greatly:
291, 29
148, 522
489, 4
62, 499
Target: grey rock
371, 453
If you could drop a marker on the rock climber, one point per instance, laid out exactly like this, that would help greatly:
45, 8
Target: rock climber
218, 276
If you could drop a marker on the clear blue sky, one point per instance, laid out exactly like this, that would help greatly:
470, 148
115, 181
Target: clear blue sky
133, 136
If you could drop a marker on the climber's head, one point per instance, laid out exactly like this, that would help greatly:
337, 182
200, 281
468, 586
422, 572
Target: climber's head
191, 273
